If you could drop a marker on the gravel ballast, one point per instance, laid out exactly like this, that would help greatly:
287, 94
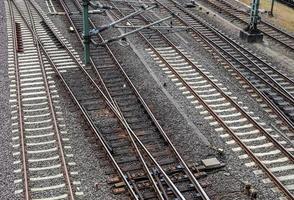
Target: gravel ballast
7, 176
192, 135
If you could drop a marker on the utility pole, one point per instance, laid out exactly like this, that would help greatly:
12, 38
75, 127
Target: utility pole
86, 35
254, 16
272, 9
251, 32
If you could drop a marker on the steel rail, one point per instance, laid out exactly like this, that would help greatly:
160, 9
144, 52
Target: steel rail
168, 180
124, 123
75, 59
50, 103
92, 126
67, 13
237, 139
287, 3
237, 47
84, 112
215, 47
270, 25
196, 183
271, 138
232, 43
19, 105
191, 176
158, 190
263, 23
272, 105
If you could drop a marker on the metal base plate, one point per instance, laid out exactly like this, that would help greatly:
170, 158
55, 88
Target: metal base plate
251, 37
211, 163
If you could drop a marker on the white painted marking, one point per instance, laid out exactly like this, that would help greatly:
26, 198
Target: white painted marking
286, 177
39, 128
40, 143
254, 139
274, 152
18, 191
220, 105
44, 159
241, 127
250, 164
279, 160
76, 182
244, 156
35, 104
17, 170
282, 168
231, 142
16, 153
79, 193
33, 93
236, 121
210, 95
37, 116
44, 168
290, 187
32, 83
255, 131
39, 136
31, 79
17, 181
219, 129
42, 151
230, 115
64, 196
46, 177
48, 188
39, 122
34, 98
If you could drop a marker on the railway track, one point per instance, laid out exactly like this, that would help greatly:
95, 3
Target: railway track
131, 138
289, 3
137, 114
233, 14
39, 132
270, 85
268, 150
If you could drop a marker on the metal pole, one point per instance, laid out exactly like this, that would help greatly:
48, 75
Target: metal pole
105, 27
272, 8
131, 32
254, 16
251, 32
86, 35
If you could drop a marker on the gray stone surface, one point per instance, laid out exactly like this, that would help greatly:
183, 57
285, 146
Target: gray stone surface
6, 159
91, 161
271, 51
185, 126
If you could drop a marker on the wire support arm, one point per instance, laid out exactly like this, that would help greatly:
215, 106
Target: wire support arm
132, 32
105, 27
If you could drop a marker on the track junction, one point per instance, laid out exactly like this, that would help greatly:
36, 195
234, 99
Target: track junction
146, 162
